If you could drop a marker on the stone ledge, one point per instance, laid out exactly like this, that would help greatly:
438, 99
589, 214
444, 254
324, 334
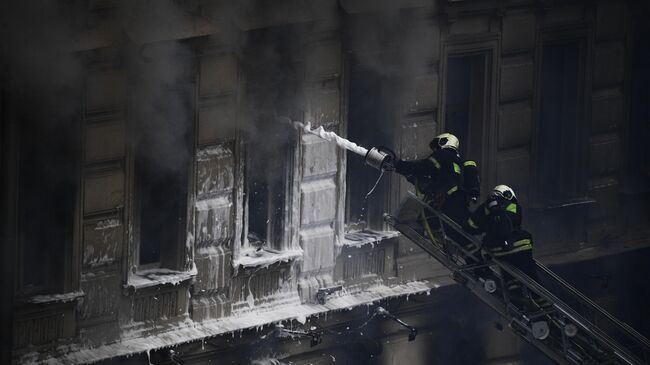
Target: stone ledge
364, 237
189, 331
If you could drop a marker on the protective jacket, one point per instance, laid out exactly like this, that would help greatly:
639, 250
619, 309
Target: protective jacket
440, 173
500, 220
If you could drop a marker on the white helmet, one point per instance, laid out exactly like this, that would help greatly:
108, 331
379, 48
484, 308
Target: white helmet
504, 191
445, 140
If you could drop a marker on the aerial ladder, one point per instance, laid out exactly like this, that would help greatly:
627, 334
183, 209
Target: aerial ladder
558, 320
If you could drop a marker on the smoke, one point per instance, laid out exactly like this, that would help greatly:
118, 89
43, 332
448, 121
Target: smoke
394, 43
41, 71
161, 99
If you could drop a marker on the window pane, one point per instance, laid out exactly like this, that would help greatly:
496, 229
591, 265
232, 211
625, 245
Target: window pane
371, 116
464, 108
268, 152
163, 104
558, 121
46, 198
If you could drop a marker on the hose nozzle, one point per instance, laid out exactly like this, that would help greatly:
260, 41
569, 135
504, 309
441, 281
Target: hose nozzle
380, 158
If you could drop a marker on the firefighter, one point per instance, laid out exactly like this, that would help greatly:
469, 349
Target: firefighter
438, 180
500, 218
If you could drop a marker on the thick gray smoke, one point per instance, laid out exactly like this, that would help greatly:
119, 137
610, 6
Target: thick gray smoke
161, 96
41, 72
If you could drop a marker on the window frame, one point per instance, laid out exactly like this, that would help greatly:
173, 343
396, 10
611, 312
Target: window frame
284, 237
69, 268
383, 193
561, 35
179, 258
489, 46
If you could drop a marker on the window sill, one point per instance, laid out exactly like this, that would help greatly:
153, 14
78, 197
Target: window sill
253, 258
55, 298
365, 237
155, 277
565, 203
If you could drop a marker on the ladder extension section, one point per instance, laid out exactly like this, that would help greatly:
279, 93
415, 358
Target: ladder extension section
557, 319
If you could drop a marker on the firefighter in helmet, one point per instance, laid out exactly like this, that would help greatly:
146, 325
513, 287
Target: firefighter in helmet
500, 217
439, 181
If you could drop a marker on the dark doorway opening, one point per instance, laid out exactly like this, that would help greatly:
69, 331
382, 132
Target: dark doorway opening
465, 105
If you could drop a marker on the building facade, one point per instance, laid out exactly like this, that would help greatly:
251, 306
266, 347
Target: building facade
157, 196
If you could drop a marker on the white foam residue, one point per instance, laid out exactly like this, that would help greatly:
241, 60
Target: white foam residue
188, 330
250, 299
107, 223
218, 202
58, 298
253, 258
364, 237
332, 137
152, 277
211, 250
267, 361
218, 150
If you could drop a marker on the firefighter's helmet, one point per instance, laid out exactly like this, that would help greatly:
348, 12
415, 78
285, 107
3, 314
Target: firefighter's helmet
445, 140
504, 191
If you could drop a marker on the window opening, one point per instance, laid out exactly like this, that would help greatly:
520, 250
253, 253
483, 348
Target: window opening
465, 110
370, 114
559, 121
48, 174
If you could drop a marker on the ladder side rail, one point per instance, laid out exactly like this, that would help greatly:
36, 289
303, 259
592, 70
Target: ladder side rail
569, 312
473, 285
531, 284
622, 326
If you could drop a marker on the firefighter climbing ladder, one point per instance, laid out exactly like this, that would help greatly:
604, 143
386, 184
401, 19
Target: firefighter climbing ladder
559, 320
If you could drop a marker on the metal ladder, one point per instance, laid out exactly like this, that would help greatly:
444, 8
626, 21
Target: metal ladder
559, 320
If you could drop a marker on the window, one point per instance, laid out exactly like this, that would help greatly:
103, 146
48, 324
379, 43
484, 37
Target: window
162, 154
266, 172
559, 122
270, 92
161, 190
465, 109
639, 149
47, 195
370, 114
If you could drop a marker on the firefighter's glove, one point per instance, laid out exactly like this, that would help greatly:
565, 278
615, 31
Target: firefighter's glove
389, 163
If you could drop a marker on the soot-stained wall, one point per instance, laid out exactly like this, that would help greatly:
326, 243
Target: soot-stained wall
198, 90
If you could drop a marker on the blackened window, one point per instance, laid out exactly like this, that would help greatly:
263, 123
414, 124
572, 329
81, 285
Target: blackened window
47, 195
162, 101
161, 194
559, 122
465, 109
371, 116
271, 90
267, 179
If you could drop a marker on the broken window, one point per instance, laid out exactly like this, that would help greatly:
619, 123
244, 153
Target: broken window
465, 110
48, 185
559, 121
